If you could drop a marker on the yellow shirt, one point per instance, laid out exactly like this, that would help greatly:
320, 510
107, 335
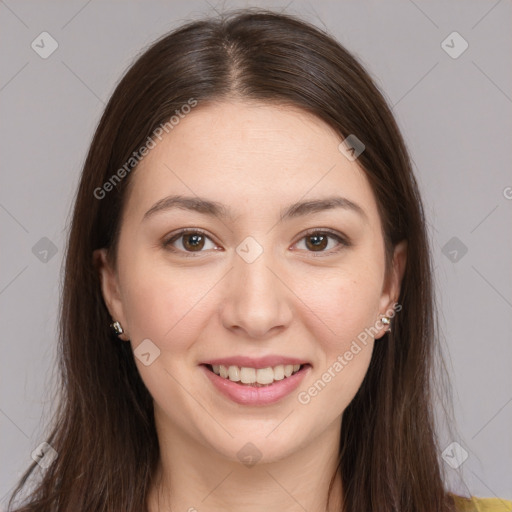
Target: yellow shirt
482, 504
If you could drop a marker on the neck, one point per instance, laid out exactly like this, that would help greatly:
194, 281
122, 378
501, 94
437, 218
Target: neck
194, 477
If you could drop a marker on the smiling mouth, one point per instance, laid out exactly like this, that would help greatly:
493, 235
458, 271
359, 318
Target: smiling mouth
261, 377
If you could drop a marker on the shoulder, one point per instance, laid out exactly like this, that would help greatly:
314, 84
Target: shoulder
475, 504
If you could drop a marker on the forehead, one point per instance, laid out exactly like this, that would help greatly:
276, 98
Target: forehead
249, 156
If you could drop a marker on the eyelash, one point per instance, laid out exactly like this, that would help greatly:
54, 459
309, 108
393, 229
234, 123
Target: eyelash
344, 242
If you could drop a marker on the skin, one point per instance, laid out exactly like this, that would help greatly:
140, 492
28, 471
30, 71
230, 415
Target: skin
292, 300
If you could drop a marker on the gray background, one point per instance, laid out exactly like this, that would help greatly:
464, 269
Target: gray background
455, 114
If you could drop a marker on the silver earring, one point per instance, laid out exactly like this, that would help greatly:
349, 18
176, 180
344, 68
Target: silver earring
116, 327
387, 321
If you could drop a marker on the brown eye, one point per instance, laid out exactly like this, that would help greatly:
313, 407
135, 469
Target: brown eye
193, 242
318, 241
188, 241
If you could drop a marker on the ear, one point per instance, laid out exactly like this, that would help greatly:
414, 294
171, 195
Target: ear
110, 289
392, 286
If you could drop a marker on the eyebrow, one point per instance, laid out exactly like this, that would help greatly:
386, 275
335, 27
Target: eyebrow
219, 210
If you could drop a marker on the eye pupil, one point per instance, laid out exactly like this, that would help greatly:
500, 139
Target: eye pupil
196, 241
320, 241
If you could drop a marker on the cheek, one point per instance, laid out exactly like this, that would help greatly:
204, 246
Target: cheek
167, 306
161, 302
341, 302
341, 314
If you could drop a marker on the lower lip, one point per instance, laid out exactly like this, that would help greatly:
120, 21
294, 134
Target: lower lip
251, 395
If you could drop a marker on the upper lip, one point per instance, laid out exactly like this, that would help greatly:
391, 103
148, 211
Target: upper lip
255, 362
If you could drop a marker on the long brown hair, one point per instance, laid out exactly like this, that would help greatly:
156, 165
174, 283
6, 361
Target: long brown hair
103, 430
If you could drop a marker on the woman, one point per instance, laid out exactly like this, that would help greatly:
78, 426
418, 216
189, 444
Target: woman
247, 317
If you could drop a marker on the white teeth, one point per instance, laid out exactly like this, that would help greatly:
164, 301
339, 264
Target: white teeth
279, 372
234, 373
261, 376
247, 375
265, 376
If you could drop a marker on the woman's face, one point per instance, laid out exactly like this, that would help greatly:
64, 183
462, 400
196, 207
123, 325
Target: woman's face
252, 283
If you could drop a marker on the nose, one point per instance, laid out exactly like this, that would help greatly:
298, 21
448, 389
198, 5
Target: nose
258, 298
